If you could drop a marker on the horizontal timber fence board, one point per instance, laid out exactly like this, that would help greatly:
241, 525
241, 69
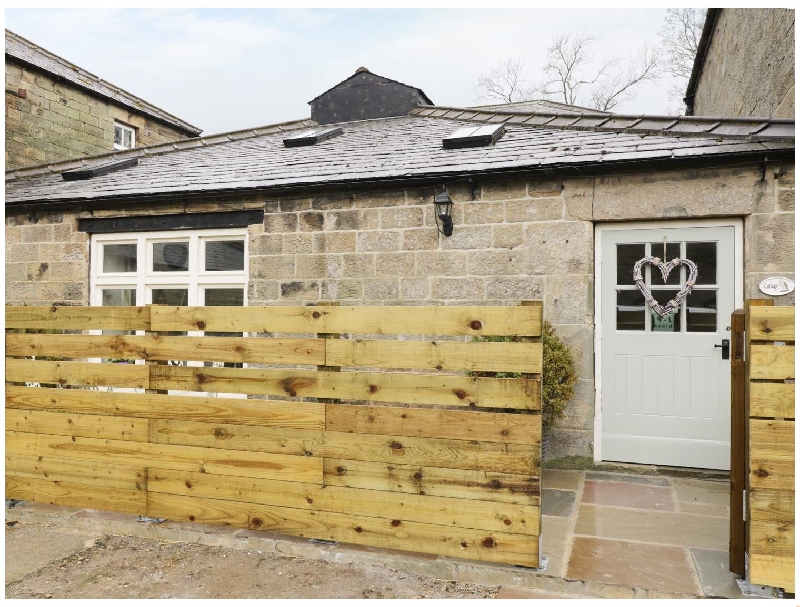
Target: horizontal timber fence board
384, 426
770, 376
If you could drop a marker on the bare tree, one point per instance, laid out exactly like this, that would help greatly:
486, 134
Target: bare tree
680, 37
504, 82
619, 85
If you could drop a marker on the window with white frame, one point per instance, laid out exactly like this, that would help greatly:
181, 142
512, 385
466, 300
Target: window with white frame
124, 136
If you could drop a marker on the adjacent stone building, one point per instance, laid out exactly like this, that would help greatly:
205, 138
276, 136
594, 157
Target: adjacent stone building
744, 64
56, 110
548, 205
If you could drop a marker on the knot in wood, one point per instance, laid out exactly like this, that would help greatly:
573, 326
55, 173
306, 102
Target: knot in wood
460, 394
476, 325
201, 325
762, 473
188, 484
256, 522
373, 388
395, 523
395, 446
495, 484
341, 470
488, 543
191, 517
220, 433
463, 544
359, 530
315, 314
418, 476
404, 416
506, 521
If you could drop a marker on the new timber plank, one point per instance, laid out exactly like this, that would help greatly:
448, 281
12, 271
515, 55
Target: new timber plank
76, 424
75, 494
449, 512
391, 320
515, 428
76, 373
771, 362
100, 474
119, 318
772, 522
429, 480
774, 323
372, 531
457, 356
411, 388
254, 412
771, 400
178, 457
771, 454
156, 347
776, 571
442, 453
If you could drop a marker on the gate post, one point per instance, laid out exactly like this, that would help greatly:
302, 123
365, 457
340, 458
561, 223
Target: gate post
738, 541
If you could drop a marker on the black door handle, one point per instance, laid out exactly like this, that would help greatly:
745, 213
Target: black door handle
726, 348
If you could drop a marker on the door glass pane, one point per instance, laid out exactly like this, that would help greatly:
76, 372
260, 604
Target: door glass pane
224, 255
128, 139
117, 135
170, 257
171, 297
704, 254
224, 297
627, 256
701, 311
671, 323
673, 251
630, 311
119, 297
119, 257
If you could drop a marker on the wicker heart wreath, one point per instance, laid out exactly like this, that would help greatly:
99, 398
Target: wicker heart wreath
665, 268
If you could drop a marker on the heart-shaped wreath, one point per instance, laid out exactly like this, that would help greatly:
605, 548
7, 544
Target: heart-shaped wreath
665, 268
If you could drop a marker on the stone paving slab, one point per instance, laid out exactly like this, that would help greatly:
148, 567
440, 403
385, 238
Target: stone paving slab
31, 548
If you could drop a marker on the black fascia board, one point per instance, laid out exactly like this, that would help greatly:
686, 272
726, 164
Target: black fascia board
99, 169
182, 221
312, 137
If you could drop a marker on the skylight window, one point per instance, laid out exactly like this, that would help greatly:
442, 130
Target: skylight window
474, 136
312, 137
99, 169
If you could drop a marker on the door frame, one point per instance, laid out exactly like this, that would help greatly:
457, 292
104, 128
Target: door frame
738, 290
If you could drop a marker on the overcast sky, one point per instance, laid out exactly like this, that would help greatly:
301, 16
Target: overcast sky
223, 70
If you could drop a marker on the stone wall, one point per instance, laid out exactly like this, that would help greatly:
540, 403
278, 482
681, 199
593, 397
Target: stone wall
49, 121
749, 68
513, 240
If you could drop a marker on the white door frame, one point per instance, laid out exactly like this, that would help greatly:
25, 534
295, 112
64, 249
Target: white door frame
738, 290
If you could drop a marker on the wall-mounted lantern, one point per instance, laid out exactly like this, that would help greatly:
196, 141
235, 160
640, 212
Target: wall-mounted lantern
443, 206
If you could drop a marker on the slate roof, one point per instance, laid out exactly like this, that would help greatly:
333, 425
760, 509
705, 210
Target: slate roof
27, 52
363, 70
540, 105
403, 148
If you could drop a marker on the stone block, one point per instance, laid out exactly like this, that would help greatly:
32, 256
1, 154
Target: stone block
785, 176
507, 236
441, 263
23, 293
786, 200
769, 242
579, 412
37, 233
414, 289
699, 193
16, 272
572, 443
517, 288
568, 299
336, 290
580, 340
482, 212
312, 221
379, 199
272, 267
261, 291
401, 217
394, 264
352, 220
13, 235
495, 263
559, 247
420, 239
537, 209
294, 204
468, 237
379, 240
359, 265
74, 251
266, 244
311, 266
280, 222
50, 292
381, 289
21, 252
297, 243
457, 288
76, 293
335, 242
56, 271
329, 203
300, 290
504, 190
753, 279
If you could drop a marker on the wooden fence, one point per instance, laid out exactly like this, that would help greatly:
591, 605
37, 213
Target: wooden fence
366, 425
762, 444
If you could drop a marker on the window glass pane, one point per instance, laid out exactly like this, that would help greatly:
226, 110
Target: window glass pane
704, 254
224, 255
119, 258
673, 251
671, 323
119, 297
127, 138
627, 256
224, 297
117, 135
170, 257
630, 311
171, 297
701, 311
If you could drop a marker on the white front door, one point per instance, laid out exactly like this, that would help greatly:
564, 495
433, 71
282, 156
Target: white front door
664, 385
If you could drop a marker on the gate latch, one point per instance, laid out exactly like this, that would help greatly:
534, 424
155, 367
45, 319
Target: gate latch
726, 348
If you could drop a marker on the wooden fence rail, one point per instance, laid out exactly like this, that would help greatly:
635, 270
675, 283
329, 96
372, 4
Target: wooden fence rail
763, 412
370, 425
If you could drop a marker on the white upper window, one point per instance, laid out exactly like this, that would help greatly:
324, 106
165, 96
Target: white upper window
124, 137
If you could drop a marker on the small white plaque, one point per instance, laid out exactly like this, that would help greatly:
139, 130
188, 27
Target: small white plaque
776, 285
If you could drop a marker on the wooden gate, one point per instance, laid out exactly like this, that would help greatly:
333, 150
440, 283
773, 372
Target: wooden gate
366, 425
762, 444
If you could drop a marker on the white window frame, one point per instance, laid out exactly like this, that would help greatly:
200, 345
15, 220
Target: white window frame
124, 128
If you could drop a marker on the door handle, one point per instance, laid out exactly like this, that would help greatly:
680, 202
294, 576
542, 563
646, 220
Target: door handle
726, 348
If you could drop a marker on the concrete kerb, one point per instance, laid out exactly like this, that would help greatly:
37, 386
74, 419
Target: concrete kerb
448, 569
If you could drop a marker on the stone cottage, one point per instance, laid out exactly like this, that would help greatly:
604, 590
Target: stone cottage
548, 205
56, 110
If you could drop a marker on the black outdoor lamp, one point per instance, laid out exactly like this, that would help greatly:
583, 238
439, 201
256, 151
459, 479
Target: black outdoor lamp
443, 207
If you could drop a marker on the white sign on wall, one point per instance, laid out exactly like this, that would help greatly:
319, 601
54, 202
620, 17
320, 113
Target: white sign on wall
776, 285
